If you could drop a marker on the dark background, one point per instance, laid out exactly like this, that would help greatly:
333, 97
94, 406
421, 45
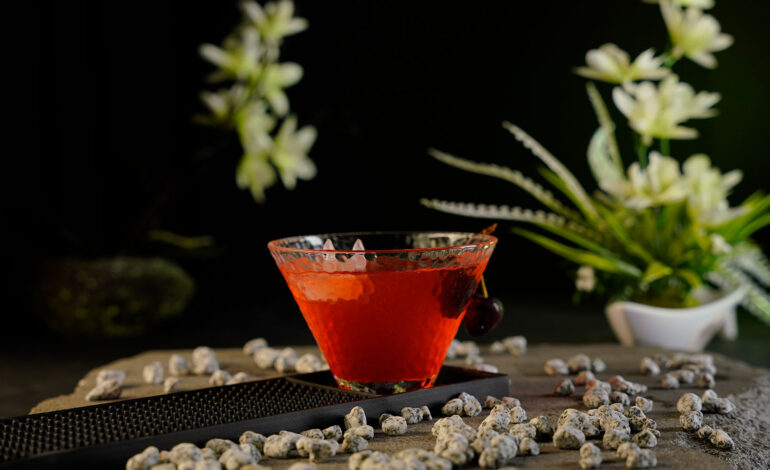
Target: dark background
117, 154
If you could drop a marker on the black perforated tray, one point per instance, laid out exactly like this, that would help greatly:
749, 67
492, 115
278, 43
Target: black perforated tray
105, 436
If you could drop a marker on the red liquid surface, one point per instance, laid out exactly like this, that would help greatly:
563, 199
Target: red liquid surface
385, 325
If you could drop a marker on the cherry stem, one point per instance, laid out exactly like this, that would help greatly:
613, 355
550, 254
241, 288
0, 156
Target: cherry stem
484, 288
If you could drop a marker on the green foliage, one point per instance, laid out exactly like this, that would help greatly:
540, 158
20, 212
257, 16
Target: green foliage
655, 231
253, 101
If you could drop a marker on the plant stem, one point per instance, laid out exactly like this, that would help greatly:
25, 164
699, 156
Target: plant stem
641, 150
484, 288
665, 147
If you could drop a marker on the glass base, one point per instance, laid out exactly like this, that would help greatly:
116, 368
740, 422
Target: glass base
386, 388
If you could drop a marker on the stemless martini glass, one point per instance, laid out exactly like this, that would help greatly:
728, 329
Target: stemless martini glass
383, 307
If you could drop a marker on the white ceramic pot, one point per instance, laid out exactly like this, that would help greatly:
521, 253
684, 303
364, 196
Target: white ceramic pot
687, 329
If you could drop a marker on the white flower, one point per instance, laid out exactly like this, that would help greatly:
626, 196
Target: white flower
238, 59
255, 173
719, 245
290, 151
702, 4
586, 279
660, 183
611, 64
657, 111
694, 34
708, 189
274, 79
276, 20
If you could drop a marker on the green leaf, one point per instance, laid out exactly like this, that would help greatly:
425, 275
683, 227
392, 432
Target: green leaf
587, 258
579, 195
510, 175
623, 237
557, 183
689, 276
655, 270
747, 230
603, 116
578, 239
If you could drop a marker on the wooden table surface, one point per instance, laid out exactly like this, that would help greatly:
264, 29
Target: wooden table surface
747, 386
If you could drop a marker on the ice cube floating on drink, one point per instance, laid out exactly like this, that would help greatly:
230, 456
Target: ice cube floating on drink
383, 316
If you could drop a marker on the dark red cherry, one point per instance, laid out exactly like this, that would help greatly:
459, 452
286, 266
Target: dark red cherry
483, 315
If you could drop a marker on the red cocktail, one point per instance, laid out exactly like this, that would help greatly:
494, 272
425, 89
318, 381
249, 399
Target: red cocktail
383, 316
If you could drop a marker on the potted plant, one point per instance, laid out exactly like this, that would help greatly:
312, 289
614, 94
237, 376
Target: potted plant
658, 238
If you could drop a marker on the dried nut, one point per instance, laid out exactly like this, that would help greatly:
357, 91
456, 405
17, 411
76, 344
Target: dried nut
313, 433
152, 373
518, 415
689, 402
144, 460
451, 352
355, 460
670, 381
183, 452
578, 362
598, 365
109, 375
453, 424
596, 397
725, 406
556, 367
685, 376
219, 446
691, 421
705, 380
497, 421
332, 433
661, 360
454, 447
316, 449
645, 438
649, 367
265, 357
583, 377
473, 360
704, 433
590, 456
490, 402
516, 345
565, 388
171, 385
178, 365
105, 390
542, 426
429, 460
365, 431
207, 454
644, 404
411, 415
592, 428
614, 437
486, 368
510, 402
308, 363
355, 418
620, 397
572, 417
352, 444
394, 426
619, 407
468, 348
497, 347
642, 458
219, 377
634, 412
384, 416
483, 439
253, 438
279, 446
721, 440
595, 383
500, 453
524, 430
204, 361
239, 378
528, 446
625, 449
568, 437
471, 405
452, 407
254, 345
426, 413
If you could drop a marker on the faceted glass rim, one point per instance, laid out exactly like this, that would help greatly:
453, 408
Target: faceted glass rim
483, 241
